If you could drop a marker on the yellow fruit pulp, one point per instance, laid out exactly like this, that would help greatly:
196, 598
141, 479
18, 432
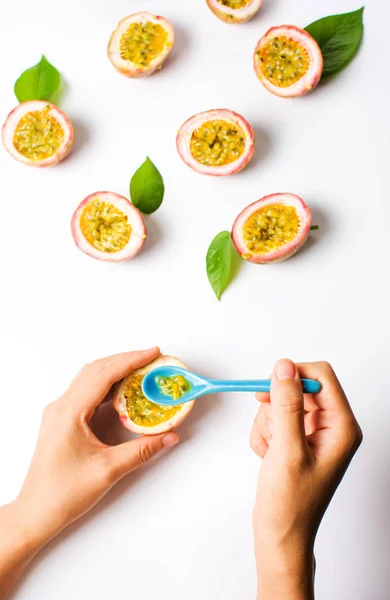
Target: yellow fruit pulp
104, 226
38, 135
142, 43
175, 386
234, 3
140, 410
217, 143
283, 61
270, 228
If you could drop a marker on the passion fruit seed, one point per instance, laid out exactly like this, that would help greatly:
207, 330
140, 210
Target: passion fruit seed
104, 226
270, 228
217, 143
234, 3
175, 386
141, 44
283, 61
38, 135
140, 410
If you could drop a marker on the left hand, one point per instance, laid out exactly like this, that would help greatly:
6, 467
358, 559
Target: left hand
72, 469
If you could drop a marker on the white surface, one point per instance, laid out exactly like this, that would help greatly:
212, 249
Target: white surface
181, 529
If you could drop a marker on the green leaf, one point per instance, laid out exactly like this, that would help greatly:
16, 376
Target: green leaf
314, 228
38, 83
219, 262
147, 188
339, 37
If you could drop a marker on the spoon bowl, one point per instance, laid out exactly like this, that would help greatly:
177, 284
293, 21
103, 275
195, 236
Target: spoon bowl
200, 386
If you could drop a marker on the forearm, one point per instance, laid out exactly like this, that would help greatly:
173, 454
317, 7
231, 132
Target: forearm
18, 546
286, 573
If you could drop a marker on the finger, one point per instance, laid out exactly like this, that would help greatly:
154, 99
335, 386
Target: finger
331, 396
340, 435
308, 400
94, 381
335, 447
288, 407
313, 420
264, 421
129, 456
259, 444
261, 431
263, 397
318, 431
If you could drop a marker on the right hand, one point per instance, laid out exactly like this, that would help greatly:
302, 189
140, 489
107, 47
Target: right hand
307, 443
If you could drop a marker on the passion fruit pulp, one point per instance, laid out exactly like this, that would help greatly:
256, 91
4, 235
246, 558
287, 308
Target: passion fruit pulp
140, 44
288, 61
175, 386
108, 227
234, 11
216, 142
140, 415
272, 229
38, 134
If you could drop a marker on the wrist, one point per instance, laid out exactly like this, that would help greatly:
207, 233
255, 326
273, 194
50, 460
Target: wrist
21, 538
18, 543
31, 529
285, 569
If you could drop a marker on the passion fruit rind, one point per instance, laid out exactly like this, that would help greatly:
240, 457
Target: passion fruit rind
234, 11
304, 220
179, 413
133, 231
186, 131
121, 60
21, 126
305, 62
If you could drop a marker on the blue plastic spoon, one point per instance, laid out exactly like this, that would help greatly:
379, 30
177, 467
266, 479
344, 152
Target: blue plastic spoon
199, 386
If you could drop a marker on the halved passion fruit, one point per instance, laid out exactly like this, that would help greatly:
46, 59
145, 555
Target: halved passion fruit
38, 134
288, 61
234, 11
108, 227
272, 229
140, 415
140, 44
216, 142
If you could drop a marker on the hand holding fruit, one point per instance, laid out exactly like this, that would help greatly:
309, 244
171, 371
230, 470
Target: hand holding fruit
307, 443
72, 469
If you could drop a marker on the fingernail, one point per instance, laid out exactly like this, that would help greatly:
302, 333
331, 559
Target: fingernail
285, 369
170, 440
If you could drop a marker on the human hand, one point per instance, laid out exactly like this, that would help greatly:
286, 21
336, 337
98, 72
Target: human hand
72, 469
307, 443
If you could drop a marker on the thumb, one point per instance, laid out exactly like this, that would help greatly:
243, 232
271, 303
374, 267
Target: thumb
129, 456
287, 406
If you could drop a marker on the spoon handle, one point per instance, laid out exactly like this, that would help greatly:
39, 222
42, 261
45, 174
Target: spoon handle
310, 386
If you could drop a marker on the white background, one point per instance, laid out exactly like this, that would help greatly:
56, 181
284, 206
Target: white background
181, 528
